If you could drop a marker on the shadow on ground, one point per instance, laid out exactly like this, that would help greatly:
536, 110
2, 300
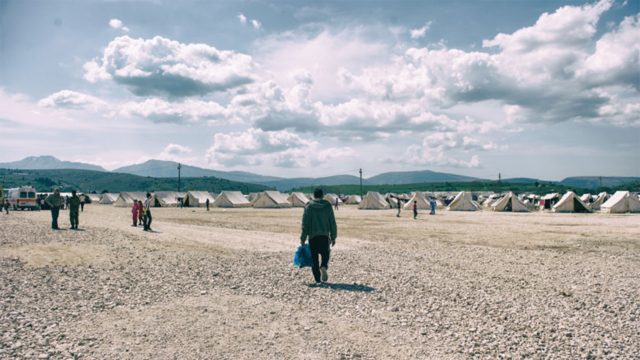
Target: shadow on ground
348, 287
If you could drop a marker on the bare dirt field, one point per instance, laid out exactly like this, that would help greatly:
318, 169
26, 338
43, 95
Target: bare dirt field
221, 285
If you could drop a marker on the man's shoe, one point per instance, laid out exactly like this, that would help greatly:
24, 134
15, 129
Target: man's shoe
324, 275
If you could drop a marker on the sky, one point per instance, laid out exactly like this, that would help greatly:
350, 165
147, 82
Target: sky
543, 89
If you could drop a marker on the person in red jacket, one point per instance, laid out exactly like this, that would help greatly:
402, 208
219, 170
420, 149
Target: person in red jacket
135, 212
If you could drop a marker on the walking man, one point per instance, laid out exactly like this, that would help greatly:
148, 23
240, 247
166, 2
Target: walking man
147, 213
432, 202
54, 201
207, 203
399, 205
74, 209
83, 199
415, 209
6, 206
319, 225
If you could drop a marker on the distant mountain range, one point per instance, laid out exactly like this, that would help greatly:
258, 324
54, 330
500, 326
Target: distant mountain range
48, 163
168, 169
594, 182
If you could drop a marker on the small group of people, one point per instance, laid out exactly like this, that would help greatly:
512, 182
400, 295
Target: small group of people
432, 204
55, 202
141, 213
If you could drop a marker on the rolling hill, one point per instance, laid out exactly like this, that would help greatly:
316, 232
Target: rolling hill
413, 177
95, 181
169, 169
47, 162
593, 182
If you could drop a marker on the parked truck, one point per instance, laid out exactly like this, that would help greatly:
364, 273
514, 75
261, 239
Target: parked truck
21, 198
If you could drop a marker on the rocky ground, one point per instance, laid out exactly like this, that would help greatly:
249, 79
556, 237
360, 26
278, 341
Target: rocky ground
221, 285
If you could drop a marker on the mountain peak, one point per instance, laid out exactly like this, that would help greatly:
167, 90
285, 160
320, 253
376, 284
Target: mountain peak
48, 162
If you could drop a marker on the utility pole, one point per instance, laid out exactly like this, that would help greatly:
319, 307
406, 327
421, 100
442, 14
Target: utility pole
600, 182
499, 177
360, 183
179, 167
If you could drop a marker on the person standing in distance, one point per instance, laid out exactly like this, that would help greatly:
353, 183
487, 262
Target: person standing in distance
74, 209
207, 203
319, 226
54, 201
415, 209
147, 213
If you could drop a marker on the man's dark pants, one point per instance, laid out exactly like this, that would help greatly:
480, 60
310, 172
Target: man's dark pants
147, 220
55, 211
319, 246
73, 218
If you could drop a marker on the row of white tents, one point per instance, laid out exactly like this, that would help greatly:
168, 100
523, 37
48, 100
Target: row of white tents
620, 202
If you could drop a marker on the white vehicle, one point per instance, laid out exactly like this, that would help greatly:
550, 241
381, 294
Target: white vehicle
23, 197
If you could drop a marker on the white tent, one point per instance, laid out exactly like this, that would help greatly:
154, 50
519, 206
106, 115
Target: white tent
231, 199
621, 202
571, 203
252, 196
586, 198
490, 200
509, 202
198, 198
332, 198
423, 202
600, 199
108, 198
549, 200
463, 202
125, 199
353, 200
271, 199
168, 198
373, 201
298, 199
93, 198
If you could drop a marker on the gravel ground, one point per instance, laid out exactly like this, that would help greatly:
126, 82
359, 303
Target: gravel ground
221, 285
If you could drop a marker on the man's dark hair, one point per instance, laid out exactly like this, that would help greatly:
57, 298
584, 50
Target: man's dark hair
148, 195
317, 193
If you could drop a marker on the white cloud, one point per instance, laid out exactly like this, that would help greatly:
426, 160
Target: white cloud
71, 100
118, 24
254, 23
187, 111
177, 153
419, 33
242, 19
164, 67
549, 72
278, 148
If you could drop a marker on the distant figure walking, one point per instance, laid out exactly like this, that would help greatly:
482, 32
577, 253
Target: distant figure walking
136, 209
319, 225
432, 202
6, 205
54, 201
140, 212
147, 213
83, 199
399, 206
415, 209
337, 200
207, 203
74, 210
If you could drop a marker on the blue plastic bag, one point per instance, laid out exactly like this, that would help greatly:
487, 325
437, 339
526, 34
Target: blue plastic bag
302, 257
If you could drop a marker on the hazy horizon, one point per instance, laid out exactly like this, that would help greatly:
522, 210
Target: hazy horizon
539, 89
